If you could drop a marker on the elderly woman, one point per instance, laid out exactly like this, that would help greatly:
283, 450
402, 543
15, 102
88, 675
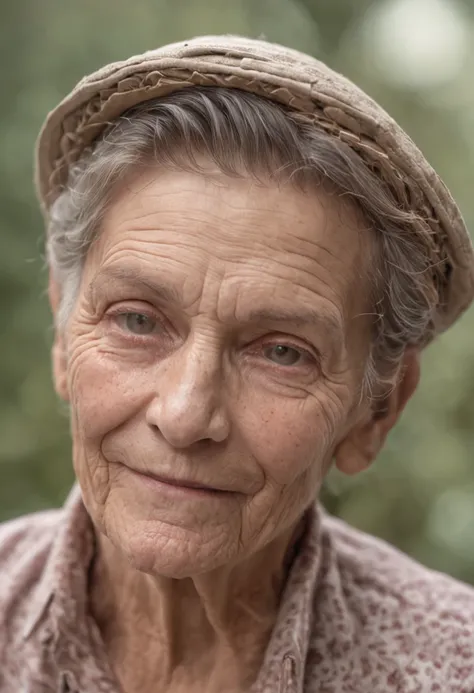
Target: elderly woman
247, 256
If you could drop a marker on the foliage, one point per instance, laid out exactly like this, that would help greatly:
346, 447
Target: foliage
420, 493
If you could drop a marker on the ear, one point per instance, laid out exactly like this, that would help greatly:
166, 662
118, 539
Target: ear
58, 352
365, 440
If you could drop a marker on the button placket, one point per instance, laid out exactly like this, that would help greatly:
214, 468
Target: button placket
288, 677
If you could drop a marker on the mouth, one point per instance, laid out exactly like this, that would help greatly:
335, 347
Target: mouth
187, 485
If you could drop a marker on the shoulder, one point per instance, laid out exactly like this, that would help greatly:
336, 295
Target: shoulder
395, 624
368, 563
24, 538
25, 544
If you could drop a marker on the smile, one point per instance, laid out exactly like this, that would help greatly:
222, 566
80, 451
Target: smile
186, 486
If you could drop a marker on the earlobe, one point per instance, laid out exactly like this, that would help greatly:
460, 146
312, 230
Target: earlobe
358, 450
364, 442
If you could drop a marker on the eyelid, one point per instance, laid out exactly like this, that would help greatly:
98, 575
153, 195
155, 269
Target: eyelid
140, 307
151, 313
173, 325
312, 358
137, 309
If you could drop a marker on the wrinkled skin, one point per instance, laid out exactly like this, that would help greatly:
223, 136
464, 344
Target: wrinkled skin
220, 338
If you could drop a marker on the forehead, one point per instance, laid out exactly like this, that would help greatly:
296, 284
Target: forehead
197, 231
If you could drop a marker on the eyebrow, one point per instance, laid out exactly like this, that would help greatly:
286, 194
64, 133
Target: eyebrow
132, 276
300, 317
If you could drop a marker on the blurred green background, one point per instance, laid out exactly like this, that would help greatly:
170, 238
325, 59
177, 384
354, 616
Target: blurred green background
417, 58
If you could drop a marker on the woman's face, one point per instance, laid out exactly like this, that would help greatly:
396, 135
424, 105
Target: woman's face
213, 362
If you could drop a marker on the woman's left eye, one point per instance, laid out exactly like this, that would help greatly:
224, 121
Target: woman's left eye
284, 355
137, 323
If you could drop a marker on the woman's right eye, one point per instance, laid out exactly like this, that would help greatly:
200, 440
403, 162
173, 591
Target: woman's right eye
137, 323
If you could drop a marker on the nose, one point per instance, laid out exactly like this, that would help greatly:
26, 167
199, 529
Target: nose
188, 407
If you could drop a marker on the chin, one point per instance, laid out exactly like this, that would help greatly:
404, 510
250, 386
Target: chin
159, 549
171, 559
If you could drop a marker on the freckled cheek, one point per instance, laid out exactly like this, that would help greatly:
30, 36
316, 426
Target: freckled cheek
104, 393
286, 440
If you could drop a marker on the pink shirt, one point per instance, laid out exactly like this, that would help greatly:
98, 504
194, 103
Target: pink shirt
356, 616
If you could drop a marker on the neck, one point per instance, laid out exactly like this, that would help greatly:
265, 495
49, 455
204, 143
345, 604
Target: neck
212, 629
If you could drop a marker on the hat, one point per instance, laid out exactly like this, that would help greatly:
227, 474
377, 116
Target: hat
297, 81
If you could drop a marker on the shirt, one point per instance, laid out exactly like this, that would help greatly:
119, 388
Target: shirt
356, 615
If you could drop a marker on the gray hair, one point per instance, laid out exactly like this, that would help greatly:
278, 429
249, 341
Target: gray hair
244, 134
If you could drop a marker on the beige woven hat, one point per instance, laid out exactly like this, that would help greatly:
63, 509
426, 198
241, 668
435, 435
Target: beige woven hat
295, 80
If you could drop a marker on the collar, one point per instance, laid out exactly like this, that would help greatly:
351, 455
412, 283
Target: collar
64, 579
72, 652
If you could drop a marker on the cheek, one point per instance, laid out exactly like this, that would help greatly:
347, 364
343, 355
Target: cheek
104, 392
289, 437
